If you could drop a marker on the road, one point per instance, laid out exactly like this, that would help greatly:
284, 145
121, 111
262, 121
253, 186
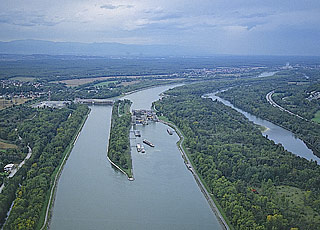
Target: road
15, 170
271, 101
203, 189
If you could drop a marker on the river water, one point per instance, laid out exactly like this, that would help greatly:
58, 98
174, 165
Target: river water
275, 133
91, 194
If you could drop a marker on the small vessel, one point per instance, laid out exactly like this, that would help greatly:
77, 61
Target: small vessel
169, 131
138, 147
142, 149
137, 133
148, 143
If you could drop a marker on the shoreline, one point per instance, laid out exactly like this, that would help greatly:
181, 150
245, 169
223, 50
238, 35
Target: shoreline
202, 187
121, 170
51, 199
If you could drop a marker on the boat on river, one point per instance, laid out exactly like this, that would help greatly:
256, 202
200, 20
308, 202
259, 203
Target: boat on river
169, 131
140, 148
137, 133
148, 143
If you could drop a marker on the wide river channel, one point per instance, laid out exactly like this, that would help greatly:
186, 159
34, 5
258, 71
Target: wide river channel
91, 194
279, 135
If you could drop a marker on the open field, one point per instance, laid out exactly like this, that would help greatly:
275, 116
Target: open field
317, 117
5, 145
24, 79
129, 83
4, 103
105, 83
296, 198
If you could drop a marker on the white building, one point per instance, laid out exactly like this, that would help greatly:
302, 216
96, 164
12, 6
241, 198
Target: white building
8, 167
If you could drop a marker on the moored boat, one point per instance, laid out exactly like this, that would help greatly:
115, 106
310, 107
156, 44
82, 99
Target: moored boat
148, 143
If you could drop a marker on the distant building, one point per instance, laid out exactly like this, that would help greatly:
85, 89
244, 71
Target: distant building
52, 104
142, 116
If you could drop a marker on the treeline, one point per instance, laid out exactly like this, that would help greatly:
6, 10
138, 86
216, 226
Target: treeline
119, 143
10, 119
94, 90
253, 100
242, 168
49, 133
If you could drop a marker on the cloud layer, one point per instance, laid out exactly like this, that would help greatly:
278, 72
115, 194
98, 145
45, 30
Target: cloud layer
220, 26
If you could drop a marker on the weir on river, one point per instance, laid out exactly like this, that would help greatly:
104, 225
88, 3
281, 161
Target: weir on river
91, 194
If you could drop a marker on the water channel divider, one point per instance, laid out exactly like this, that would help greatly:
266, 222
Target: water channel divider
57, 173
121, 170
201, 184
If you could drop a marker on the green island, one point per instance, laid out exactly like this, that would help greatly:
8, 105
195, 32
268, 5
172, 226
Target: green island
257, 183
119, 143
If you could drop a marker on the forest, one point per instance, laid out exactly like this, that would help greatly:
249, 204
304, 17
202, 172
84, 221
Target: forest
257, 183
300, 99
119, 143
253, 100
48, 132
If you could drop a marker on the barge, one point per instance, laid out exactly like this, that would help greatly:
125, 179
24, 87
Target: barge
148, 143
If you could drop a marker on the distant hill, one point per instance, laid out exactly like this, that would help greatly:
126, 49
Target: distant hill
91, 49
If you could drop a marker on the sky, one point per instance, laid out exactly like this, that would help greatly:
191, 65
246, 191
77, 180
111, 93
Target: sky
244, 27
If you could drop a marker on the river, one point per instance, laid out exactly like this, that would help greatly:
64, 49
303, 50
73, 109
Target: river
279, 135
91, 194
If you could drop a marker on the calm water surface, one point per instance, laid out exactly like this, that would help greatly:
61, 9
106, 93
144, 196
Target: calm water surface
276, 133
93, 195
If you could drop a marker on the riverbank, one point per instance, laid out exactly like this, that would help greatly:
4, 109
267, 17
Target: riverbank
46, 214
131, 178
304, 149
214, 207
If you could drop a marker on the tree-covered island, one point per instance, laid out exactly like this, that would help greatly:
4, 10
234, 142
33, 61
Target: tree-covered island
119, 143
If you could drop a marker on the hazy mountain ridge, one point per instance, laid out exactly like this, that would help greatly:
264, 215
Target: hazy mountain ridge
99, 49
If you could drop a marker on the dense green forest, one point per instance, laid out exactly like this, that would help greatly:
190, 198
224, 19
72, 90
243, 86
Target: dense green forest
119, 143
258, 184
17, 149
48, 132
252, 98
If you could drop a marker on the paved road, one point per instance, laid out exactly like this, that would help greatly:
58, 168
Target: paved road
271, 101
207, 195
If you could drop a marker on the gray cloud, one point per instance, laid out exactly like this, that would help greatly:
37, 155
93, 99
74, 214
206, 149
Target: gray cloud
20, 18
241, 27
112, 7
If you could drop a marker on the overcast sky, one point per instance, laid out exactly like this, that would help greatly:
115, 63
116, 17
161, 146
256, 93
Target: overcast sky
283, 27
